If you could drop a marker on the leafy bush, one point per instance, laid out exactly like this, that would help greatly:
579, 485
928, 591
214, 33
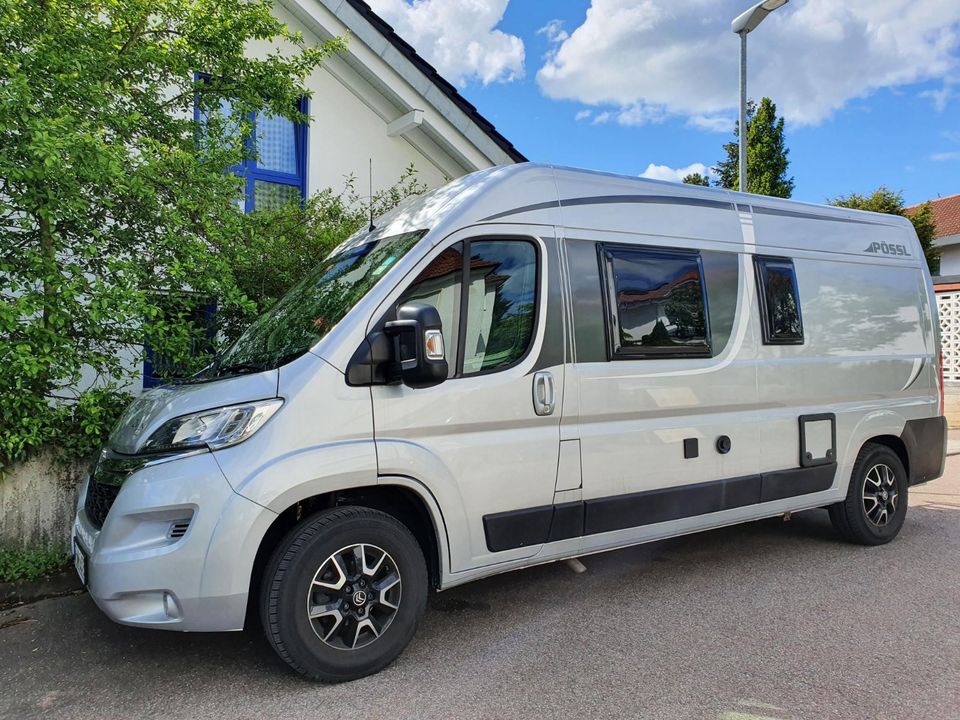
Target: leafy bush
279, 246
16, 564
114, 200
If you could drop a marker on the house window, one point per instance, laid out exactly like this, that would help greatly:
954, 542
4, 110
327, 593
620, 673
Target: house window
657, 305
275, 169
275, 175
779, 301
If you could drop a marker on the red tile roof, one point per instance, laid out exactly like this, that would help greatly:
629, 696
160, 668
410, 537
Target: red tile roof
946, 214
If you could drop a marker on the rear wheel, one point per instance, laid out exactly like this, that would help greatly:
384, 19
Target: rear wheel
876, 503
343, 594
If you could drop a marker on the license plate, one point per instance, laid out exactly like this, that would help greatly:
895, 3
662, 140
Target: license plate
80, 562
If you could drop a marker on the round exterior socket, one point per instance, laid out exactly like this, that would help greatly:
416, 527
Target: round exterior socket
723, 444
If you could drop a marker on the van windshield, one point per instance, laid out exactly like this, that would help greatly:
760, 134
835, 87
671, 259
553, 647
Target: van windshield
314, 305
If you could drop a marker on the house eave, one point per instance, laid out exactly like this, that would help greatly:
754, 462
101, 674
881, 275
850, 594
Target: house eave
407, 82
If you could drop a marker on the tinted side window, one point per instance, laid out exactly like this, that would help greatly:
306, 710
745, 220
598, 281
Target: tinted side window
439, 285
500, 297
657, 303
779, 301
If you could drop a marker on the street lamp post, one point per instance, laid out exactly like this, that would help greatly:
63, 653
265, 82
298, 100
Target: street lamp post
742, 25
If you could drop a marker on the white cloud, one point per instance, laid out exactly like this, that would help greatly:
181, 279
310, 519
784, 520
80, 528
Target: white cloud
940, 157
583, 115
641, 114
938, 97
711, 123
942, 96
811, 57
665, 172
633, 115
554, 31
458, 37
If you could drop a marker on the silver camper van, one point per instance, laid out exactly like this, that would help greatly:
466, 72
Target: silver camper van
529, 364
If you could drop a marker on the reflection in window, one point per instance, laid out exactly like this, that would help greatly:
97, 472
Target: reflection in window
780, 306
658, 302
439, 285
501, 304
317, 303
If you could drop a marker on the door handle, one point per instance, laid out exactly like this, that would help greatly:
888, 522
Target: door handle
544, 395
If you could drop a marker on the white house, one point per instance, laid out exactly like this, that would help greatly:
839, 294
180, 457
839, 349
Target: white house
946, 215
379, 100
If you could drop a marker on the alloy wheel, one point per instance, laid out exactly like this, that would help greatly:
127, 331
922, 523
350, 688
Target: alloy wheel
880, 494
354, 596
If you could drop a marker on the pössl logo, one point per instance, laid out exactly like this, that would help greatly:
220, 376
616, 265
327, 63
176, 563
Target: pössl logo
887, 249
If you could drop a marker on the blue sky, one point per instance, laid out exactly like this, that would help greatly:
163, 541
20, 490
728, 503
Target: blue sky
870, 88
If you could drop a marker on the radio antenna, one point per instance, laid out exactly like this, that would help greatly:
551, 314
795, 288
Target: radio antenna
370, 177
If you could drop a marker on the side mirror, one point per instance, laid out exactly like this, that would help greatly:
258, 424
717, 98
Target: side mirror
418, 345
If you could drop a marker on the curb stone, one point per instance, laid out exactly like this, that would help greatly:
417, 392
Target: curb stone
21, 592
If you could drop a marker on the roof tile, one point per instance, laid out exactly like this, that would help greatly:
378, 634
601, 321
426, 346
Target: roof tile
946, 214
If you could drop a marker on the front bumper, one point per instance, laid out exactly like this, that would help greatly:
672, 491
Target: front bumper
176, 548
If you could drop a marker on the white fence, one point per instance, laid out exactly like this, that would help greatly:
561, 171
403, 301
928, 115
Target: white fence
948, 305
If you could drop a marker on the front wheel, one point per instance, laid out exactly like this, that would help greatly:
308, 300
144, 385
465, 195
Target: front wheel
343, 594
876, 503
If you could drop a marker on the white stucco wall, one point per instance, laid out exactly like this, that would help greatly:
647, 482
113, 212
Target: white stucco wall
348, 127
949, 254
344, 135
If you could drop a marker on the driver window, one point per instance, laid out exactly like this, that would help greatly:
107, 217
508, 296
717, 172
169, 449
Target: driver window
501, 304
439, 285
497, 308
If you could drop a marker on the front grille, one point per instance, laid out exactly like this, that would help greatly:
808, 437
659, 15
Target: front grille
108, 475
99, 500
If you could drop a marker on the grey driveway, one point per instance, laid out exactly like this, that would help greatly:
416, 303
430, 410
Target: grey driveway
769, 620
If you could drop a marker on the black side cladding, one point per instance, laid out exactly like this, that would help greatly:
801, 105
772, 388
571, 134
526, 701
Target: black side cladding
549, 523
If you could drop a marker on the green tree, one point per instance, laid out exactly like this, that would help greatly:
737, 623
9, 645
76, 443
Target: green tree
884, 200
767, 152
697, 179
113, 199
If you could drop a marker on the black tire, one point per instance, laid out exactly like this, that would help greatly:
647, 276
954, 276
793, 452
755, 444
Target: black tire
851, 517
290, 577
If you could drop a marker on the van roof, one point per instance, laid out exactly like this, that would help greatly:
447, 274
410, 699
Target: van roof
546, 194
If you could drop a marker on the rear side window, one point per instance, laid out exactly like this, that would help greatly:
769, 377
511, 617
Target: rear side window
779, 301
657, 306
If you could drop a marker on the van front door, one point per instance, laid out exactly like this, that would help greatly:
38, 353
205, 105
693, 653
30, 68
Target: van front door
485, 442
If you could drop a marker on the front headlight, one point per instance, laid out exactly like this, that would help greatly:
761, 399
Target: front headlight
214, 428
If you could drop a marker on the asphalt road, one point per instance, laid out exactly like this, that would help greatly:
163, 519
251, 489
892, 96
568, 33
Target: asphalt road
767, 620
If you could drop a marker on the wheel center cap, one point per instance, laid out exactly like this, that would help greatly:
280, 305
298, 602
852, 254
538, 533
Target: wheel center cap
359, 598
884, 495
